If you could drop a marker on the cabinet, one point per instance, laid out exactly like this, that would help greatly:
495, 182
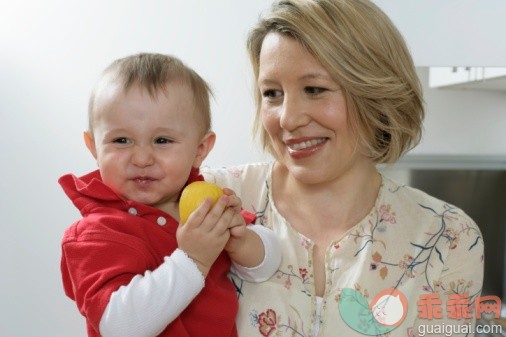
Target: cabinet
473, 78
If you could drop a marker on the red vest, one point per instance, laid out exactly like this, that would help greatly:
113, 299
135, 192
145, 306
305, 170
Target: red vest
109, 246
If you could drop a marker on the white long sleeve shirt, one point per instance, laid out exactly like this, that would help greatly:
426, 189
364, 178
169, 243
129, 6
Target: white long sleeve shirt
151, 301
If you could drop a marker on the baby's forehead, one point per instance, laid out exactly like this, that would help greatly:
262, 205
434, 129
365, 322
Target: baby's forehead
112, 93
114, 89
107, 90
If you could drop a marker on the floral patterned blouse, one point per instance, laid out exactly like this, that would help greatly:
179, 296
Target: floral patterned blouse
416, 244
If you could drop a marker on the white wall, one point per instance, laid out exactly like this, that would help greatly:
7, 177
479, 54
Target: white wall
51, 52
463, 122
451, 32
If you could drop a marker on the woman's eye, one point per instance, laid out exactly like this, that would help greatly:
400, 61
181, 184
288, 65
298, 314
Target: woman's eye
271, 94
314, 90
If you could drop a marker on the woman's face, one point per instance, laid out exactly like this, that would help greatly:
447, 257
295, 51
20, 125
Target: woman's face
304, 112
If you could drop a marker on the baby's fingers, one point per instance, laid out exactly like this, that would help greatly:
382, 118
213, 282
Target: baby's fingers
218, 217
238, 230
234, 201
199, 214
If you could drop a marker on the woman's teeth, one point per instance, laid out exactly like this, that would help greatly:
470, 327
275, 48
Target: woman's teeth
307, 144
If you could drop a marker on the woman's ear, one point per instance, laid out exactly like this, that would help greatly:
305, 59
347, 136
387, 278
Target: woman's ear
90, 143
205, 146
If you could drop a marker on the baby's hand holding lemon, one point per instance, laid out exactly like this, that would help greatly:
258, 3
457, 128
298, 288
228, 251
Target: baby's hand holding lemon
194, 195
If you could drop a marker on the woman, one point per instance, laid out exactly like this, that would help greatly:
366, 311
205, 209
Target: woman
337, 93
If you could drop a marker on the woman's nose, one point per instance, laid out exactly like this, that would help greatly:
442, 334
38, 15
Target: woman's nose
293, 114
142, 156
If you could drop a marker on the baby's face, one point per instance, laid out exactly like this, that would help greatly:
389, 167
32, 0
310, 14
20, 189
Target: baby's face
146, 146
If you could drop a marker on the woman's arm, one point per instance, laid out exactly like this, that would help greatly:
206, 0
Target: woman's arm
460, 283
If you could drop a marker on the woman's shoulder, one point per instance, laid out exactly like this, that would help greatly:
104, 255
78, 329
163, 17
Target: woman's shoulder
248, 181
250, 177
237, 173
422, 205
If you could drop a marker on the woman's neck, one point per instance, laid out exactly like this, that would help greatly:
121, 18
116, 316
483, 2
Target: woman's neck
328, 207
326, 211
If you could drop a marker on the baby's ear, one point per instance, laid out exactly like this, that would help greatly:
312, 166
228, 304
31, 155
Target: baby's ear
205, 146
90, 143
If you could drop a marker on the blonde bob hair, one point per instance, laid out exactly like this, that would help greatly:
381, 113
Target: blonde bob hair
153, 72
366, 55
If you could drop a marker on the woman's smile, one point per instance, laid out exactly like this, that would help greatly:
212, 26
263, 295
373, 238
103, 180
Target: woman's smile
304, 147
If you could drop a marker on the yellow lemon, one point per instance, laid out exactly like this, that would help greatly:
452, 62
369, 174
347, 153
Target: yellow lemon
194, 194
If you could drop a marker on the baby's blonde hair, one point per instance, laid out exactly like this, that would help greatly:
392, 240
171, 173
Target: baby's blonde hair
366, 55
153, 72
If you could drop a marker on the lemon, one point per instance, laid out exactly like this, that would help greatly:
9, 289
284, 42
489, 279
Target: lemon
194, 194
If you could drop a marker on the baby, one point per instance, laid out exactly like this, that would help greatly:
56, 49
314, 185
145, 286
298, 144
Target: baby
130, 266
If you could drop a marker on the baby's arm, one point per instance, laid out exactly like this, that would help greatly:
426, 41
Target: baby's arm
254, 250
151, 301
271, 257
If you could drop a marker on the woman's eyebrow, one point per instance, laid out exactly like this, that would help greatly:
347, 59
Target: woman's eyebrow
313, 76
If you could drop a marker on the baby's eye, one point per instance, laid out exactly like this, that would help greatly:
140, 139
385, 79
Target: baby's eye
121, 140
314, 90
162, 140
271, 93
